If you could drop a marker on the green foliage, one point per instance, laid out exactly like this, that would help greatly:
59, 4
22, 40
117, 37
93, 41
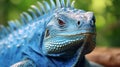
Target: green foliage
107, 14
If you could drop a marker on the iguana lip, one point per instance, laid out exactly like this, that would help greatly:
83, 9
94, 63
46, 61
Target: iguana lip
86, 34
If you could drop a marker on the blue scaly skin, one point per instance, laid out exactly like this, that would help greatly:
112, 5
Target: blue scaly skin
58, 36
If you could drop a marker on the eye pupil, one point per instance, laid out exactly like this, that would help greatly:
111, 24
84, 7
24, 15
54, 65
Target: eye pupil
78, 22
61, 22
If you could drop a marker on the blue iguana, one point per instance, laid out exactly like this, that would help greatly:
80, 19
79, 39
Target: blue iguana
53, 35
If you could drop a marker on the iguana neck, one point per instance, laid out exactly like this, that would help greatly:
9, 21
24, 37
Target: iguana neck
77, 60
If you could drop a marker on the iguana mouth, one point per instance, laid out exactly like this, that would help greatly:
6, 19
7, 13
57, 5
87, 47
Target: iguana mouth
61, 47
56, 47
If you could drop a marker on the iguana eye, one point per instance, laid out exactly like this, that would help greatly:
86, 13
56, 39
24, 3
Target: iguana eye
61, 22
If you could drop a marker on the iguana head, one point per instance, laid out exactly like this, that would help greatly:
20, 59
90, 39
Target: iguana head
68, 30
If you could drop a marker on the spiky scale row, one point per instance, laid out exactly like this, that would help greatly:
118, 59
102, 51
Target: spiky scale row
12, 25
41, 6
62, 3
32, 13
72, 4
53, 4
68, 3
23, 20
46, 5
27, 17
36, 10
58, 3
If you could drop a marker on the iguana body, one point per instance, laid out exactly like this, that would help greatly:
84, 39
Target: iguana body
59, 37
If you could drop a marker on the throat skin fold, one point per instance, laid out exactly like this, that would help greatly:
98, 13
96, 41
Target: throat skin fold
81, 53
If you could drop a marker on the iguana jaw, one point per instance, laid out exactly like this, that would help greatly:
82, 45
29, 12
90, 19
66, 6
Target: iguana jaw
71, 44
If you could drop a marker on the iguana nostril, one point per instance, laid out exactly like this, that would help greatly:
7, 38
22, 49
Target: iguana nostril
93, 18
92, 21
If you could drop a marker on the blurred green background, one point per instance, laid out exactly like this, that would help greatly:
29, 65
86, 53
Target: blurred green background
107, 14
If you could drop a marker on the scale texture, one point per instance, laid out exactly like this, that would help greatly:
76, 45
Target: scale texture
51, 35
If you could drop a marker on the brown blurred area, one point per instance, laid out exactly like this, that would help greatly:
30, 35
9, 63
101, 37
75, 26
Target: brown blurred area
108, 57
